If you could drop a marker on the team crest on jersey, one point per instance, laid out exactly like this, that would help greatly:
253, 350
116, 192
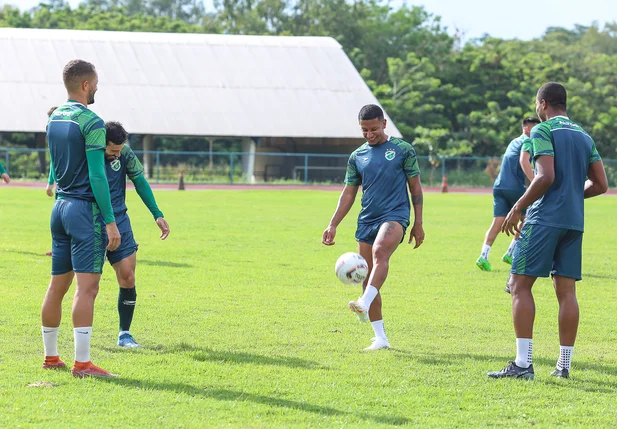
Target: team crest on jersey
116, 164
390, 154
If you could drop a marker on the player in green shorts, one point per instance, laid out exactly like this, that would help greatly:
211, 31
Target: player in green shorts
568, 169
5, 176
385, 167
508, 188
82, 223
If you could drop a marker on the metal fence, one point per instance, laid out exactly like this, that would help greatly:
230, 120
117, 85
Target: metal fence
273, 168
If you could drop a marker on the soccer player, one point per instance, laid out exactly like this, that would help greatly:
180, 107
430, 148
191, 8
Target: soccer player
508, 188
385, 167
122, 162
82, 222
5, 176
568, 169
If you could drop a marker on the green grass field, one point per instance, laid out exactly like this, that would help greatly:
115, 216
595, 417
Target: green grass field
245, 325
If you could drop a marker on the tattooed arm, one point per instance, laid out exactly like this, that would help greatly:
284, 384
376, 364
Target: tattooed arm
417, 200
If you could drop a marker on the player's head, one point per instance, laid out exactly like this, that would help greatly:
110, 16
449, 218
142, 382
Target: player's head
552, 98
529, 123
80, 79
116, 137
372, 123
51, 110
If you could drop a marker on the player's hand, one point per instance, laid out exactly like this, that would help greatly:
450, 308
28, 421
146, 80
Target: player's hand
162, 223
50, 190
113, 235
417, 233
328, 235
6, 178
512, 222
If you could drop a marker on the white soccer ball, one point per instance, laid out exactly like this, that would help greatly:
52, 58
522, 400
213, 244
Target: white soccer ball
351, 268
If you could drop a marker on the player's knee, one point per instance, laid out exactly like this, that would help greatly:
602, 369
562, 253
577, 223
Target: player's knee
87, 291
127, 280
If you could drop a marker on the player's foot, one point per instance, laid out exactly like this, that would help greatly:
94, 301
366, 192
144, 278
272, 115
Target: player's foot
483, 264
507, 258
53, 362
561, 373
127, 340
360, 309
88, 369
378, 343
513, 371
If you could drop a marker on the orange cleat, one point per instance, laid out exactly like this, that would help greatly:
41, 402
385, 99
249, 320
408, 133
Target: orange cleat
88, 369
53, 362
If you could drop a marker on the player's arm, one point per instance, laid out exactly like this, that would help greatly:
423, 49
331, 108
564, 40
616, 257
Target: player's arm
95, 157
345, 202
147, 196
596, 183
417, 201
51, 179
525, 162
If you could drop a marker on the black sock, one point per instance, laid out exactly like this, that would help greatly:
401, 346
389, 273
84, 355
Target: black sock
126, 307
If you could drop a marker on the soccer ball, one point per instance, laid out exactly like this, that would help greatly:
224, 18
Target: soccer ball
351, 268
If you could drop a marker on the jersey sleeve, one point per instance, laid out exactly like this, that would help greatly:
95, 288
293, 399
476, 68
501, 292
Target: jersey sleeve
542, 141
2, 170
595, 156
134, 168
352, 177
526, 146
410, 164
93, 130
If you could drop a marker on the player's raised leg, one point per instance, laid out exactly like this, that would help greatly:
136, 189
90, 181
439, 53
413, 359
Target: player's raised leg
127, 297
489, 239
388, 238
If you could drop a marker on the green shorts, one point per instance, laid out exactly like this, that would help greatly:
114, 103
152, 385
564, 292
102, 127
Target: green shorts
79, 237
128, 246
367, 233
543, 250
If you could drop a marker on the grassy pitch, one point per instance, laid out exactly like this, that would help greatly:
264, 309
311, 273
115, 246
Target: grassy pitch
245, 325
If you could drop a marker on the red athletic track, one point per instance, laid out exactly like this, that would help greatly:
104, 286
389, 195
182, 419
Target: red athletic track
243, 187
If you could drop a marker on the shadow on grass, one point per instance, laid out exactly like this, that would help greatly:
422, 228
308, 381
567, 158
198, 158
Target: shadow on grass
596, 276
24, 252
575, 382
168, 264
233, 395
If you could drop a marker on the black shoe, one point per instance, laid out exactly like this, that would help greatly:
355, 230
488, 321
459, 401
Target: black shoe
513, 371
561, 373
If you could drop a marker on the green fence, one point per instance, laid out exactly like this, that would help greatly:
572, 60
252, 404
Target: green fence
273, 168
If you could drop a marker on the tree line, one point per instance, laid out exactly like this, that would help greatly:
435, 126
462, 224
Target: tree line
446, 96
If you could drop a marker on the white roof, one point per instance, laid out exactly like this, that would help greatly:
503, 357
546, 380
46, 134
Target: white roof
188, 84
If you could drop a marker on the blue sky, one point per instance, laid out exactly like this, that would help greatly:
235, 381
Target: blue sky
499, 18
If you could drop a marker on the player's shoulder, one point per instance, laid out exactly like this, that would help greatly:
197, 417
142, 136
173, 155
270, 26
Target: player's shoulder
359, 149
127, 151
542, 129
402, 144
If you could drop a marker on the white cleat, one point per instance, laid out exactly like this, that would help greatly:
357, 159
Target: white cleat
360, 309
378, 343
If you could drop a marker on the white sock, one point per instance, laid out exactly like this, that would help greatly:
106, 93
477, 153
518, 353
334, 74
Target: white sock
485, 249
565, 354
378, 328
511, 248
369, 295
122, 333
50, 341
523, 352
82, 343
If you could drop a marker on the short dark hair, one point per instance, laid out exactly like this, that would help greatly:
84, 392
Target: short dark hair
554, 94
530, 120
51, 110
74, 73
116, 134
370, 111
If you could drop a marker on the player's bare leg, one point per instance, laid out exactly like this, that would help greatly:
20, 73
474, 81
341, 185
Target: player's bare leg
388, 239
565, 289
51, 315
125, 274
523, 315
83, 315
489, 239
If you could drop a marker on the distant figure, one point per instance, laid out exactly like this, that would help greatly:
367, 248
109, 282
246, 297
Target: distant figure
82, 222
385, 167
5, 176
508, 188
568, 169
